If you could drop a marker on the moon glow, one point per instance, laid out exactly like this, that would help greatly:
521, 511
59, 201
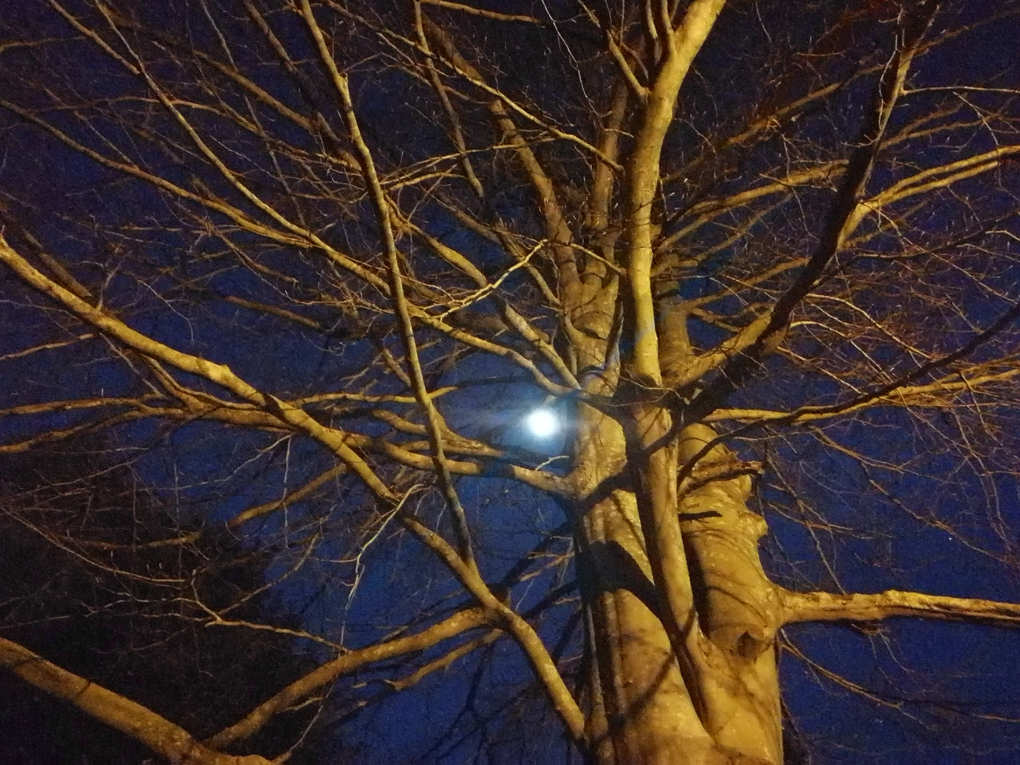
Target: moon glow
542, 423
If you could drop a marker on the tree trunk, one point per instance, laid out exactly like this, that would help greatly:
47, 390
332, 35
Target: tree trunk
645, 706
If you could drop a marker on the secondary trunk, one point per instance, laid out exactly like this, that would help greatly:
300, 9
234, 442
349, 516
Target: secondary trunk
643, 709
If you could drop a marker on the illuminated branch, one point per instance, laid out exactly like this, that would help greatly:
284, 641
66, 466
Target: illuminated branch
157, 733
859, 607
216, 373
845, 213
542, 664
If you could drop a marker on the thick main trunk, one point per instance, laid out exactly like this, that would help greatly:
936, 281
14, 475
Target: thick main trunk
643, 709
739, 609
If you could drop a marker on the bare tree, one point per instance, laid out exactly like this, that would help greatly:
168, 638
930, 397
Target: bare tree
320, 259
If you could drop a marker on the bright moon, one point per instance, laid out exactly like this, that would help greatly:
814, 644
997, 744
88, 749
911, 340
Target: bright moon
542, 423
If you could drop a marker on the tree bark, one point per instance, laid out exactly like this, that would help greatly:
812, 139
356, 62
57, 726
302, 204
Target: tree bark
643, 708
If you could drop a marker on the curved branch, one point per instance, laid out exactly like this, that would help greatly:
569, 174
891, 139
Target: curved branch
300, 689
129, 717
220, 374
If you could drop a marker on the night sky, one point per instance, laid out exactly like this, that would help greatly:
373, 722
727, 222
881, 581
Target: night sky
100, 174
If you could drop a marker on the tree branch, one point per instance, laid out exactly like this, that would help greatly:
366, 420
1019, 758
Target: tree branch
300, 689
844, 215
869, 607
142, 724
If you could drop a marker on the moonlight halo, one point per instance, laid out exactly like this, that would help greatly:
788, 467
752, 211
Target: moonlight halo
542, 423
